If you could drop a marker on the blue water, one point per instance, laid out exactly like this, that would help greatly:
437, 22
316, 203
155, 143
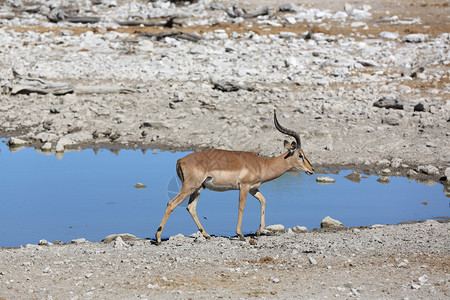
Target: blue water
91, 195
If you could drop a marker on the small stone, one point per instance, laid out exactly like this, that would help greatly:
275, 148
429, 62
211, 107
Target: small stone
423, 279
47, 270
411, 173
388, 35
299, 229
391, 120
47, 146
402, 264
386, 171
275, 280
88, 275
415, 38
383, 179
447, 174
119, 243
176, 237
44, 243
325, 180
140, 186
312, 260
428, 169
275, 227
415, 286
78, 241
124, 236
328, 222
16, 142
152, 286
355, 177
396, 162
377, 226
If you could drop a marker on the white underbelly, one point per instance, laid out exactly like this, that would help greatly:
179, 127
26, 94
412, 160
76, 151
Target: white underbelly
209, 184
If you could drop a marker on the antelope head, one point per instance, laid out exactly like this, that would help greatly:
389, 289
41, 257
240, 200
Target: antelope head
295, 154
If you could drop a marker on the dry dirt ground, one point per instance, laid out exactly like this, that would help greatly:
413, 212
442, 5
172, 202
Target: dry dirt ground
391, 262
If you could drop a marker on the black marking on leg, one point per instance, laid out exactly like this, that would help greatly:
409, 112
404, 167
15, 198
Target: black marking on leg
201, 230
159, 228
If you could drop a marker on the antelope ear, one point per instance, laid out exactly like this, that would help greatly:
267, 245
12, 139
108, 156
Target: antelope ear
287, 145
293, 146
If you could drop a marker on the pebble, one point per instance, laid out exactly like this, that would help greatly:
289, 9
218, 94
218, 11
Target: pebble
325, 180
299, 229
276, 227
415, 38
428, 169
78, 241
312, 260
389, 35
328, 222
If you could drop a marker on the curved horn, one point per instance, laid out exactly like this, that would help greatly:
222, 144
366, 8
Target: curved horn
286, 131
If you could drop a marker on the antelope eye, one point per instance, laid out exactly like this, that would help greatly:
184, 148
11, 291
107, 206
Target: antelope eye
300, 156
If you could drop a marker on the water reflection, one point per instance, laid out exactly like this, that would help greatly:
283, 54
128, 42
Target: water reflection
92, 194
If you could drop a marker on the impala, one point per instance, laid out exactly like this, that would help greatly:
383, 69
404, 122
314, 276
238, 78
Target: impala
222, 170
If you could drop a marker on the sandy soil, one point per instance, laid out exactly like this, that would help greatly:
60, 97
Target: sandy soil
391, 262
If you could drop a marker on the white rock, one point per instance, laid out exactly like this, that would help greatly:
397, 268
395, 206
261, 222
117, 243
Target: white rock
328, 222
423, 279
291, 61
275, 227
299, 229
389, 35
447, 174
47, 146
119, 243
291, 20
415, 38
16, 142
44, 243
275, 280
152, 286
312, 260
428, 169
176, 237
88, 275
78, 241
358, 24
62, 143
340, 15
124, 236
47, 270
325, 180
377, 226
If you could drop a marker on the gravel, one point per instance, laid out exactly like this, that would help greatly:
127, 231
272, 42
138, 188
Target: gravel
401, 261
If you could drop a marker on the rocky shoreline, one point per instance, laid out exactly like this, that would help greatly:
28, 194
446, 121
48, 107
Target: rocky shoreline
392, 262
366, 86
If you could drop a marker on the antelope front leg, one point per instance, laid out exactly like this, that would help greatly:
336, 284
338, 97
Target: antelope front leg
257, 194
183, 194
243, 192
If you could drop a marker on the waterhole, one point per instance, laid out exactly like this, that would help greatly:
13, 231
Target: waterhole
95, 192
